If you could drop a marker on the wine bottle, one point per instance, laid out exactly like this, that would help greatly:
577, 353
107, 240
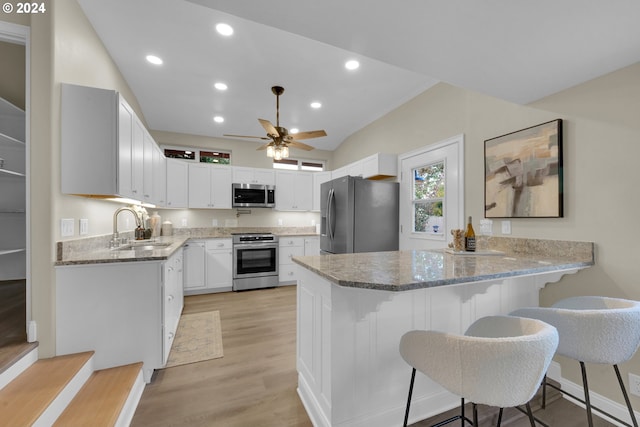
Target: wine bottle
470, 238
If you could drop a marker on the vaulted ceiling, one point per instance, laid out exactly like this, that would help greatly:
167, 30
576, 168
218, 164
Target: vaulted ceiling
515, 50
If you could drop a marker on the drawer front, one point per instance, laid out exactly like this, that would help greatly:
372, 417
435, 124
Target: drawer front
287, 273
291, 241
218, 244
287, 252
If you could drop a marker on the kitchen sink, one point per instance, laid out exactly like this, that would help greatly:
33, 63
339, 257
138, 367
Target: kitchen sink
147, 246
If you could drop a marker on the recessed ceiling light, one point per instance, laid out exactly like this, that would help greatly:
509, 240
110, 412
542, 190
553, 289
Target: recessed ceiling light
218, 119
352, 64
154, 59
220, 86
224, 29
316, 104
294, 130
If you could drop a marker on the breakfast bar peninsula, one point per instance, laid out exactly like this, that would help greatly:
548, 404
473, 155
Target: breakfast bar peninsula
353, 309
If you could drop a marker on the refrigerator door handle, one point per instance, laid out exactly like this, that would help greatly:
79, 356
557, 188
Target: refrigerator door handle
330, 219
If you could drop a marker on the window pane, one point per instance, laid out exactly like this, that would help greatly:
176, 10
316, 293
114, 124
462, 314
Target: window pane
427, 217
217, 157
429, 182
312, 166
179, 154
291, 164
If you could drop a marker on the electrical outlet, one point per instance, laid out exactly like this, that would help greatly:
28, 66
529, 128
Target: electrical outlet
506, 227
634, 384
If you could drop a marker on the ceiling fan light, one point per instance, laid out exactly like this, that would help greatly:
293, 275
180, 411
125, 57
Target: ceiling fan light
270, 151
277, 155
285, 152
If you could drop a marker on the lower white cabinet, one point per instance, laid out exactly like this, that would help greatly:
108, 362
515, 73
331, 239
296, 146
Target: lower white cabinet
294, 246
208, 266
126, 312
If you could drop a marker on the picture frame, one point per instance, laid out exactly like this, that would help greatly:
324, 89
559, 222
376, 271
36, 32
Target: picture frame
524, 173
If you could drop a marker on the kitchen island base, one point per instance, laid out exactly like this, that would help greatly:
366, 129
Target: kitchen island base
350, 372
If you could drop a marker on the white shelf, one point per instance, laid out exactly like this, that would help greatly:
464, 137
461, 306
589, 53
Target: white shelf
12, 120
11, 251
12, 173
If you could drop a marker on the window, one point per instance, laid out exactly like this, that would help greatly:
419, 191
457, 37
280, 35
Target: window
217, 157
428, 198
199, 155
297, 164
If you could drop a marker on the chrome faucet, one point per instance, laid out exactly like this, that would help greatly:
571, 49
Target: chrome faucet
115, 239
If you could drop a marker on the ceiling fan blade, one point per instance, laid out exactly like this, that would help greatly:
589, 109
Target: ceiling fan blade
300, 145
309, 134
271, 130
247, 136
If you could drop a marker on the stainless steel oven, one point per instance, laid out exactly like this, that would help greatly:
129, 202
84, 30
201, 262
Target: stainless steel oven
255, 261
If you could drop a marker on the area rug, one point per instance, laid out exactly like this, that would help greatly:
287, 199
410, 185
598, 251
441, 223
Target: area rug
198, 338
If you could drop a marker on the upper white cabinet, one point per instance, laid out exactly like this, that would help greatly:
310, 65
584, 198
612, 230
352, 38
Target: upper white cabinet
159, 177
177, 184
242, 175
209, 186
294, 191
12, 192
376, 166
106, 150
380, 166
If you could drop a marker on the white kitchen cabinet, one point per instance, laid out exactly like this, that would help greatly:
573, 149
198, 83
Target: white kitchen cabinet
339, 173
102, 149
126, 312
311, 245
177, 183
380, 166
147, 168
289, 247
244, 175
219, 265
354, 169
208, 266
294, 191
159, 177
194, 265
209, 186
12, 192
318, 179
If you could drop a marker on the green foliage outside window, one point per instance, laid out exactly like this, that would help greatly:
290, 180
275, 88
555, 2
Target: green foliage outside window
428, 194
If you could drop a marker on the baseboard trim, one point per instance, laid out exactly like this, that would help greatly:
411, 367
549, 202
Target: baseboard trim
614, 408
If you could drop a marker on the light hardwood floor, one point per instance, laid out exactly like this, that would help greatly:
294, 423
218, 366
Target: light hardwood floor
254, 384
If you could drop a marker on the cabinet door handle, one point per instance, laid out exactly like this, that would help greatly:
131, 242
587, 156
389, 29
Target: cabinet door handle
171, 335
170, 298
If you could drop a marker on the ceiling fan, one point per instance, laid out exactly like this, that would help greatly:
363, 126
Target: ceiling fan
279, 138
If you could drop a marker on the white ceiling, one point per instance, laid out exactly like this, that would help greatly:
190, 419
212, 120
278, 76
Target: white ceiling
516, 50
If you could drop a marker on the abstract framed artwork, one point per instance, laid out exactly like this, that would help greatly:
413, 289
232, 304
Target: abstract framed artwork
523, 173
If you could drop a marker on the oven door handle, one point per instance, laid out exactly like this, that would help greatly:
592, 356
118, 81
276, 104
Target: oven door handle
256, 245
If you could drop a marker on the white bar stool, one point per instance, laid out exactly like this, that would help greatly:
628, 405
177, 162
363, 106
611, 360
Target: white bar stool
595, 330
499, 361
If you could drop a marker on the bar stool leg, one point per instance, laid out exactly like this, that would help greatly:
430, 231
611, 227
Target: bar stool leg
475, 415
586, 394
406, 413
530, 413
462, 417
500, 417
626, 396
544, 391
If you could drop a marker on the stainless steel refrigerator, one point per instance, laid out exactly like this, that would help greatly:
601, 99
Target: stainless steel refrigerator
358, 215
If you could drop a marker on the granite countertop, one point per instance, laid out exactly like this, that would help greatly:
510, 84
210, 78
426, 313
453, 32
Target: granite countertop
95, 250
416, 269
102, 254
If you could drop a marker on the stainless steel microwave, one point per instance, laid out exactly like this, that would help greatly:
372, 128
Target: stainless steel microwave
253, 195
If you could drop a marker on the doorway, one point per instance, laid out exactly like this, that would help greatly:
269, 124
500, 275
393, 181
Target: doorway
15, 309
431, 194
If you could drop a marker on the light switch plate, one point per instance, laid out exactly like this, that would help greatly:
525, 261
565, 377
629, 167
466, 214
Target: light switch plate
66, 227
506, 227
84, 226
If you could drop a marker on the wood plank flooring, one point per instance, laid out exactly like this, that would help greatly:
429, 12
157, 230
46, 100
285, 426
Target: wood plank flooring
254, 384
